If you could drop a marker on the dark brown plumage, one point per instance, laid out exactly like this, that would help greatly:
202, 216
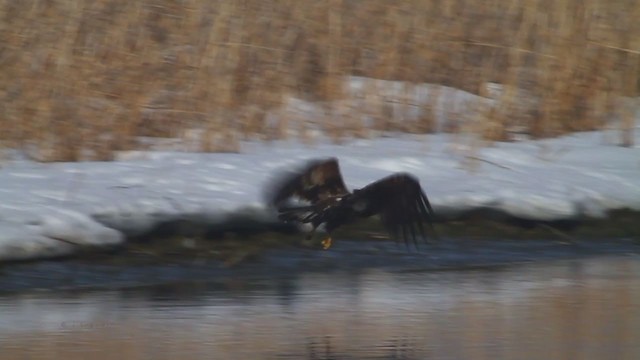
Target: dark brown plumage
398, 199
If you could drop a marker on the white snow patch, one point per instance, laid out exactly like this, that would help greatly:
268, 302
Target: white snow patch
22, 242
53, 233
27, 175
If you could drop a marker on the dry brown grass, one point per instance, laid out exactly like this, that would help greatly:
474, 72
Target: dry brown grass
82, 79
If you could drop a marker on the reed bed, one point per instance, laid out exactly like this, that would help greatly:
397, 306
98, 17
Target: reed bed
81, 80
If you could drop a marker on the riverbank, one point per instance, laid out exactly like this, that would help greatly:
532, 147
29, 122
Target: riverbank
561, 185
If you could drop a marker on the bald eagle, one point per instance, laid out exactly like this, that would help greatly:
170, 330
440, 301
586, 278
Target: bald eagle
398, 199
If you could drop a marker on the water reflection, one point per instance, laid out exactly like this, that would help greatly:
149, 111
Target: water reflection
580, 309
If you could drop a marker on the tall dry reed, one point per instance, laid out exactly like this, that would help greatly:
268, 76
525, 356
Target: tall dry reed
81, 79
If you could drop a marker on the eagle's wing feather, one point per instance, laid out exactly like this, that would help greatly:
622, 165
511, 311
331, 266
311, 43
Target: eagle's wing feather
315, 181
402, 205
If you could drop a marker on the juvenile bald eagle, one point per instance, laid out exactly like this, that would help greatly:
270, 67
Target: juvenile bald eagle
398, 199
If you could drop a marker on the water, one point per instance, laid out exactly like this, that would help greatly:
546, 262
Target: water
570, 309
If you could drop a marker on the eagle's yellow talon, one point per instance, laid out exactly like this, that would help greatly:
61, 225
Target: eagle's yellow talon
326, 243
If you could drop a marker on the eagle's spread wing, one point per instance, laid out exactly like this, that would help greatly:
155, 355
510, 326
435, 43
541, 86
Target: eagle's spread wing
315, 181
401, 203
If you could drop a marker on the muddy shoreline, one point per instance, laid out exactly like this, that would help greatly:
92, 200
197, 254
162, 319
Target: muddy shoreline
179, 252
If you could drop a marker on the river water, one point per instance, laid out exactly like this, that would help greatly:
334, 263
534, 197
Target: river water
560, 309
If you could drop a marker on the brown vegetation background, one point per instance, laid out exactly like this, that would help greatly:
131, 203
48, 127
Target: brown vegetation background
82, 79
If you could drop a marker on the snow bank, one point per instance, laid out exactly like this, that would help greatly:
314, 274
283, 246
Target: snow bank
47, 233
59, 208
